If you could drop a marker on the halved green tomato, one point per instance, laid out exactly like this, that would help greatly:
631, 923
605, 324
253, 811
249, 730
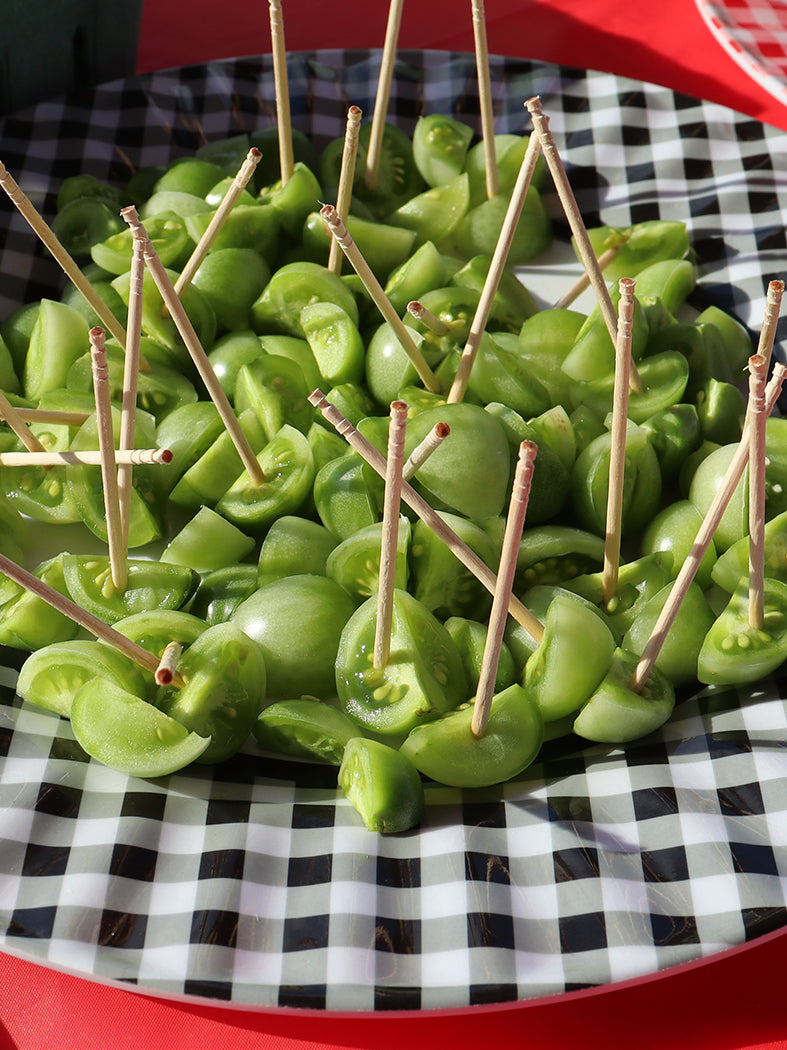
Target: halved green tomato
151, 585
52, 676
448, 752
128, 734
305, 728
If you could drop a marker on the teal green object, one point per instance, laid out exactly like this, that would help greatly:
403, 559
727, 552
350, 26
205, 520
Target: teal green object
50, 47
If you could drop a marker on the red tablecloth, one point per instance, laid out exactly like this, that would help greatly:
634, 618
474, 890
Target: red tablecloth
733, 1001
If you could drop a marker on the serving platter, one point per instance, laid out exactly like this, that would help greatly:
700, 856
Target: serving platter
255, 883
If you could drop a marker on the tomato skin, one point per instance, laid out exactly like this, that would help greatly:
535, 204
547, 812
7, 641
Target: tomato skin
615, 714
297, 621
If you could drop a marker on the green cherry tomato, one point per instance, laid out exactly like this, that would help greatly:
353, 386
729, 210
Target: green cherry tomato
423, 677
225, 680
615, 714
130, 735
573, 657
734, 563
674, 529
297, 622
50, 677
207, 541
304, 729
733, 651
382, 785
447, 752
220, 592
294, 545
27, 621
355, 563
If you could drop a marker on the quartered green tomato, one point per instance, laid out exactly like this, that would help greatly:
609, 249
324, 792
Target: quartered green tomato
355, 563
225, 675
728, 570
677, 658
168, 234
195, 175
294, 545
423, 677
220, 592
294, 199
615, 714
434, 214
207, 479
383, 246
735, 652
130, 735
288, 472
638, 582
293, 286
255, 226
440, 145
551, 554
297, 621
447, 752
382, 785
674, 433
470, 638
274, 388
87, 491
388, 369
573, 657
151, 585
592, 357
206, 542
27, 621
425, 269
641, 245
343, 498
479, 231
305, 729
83, 222
50, 677
188, 431
664, 378
707, 478
439, 580
59, 336
499, 375
551, 482
335, 341
509, 152
641, 483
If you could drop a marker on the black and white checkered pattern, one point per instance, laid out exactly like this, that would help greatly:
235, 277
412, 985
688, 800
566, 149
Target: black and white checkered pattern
255, 882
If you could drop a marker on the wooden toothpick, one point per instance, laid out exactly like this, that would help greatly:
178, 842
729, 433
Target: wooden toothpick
375, 147
282, 89
344, 190
128, 408
220, 216
13, 416
390, 533
496, 268
773, 301
86, 457
758, 372
168, 664
422, 452
617, 451
485, 97
506, 572
106, 444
